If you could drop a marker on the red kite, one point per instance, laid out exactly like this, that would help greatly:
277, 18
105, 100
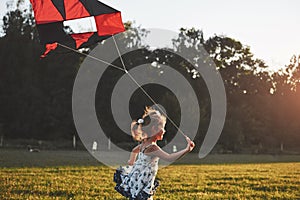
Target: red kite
50, 15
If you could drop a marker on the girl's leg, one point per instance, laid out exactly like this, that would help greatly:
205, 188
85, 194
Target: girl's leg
151, 198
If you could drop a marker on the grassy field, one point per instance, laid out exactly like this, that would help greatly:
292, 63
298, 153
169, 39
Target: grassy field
80, 177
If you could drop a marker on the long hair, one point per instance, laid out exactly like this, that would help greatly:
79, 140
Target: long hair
142, 128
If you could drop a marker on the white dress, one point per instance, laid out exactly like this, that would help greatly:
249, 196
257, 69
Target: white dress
138, 181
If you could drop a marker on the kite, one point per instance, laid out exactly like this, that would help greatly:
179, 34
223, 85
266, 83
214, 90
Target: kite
50, 16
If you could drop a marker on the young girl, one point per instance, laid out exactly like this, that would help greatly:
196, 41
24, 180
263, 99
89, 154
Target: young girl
137, 181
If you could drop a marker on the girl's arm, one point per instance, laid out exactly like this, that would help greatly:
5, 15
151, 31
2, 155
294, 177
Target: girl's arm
133, 155
156, 151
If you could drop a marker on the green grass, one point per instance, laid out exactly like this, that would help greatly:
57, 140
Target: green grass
91, 180
233, 181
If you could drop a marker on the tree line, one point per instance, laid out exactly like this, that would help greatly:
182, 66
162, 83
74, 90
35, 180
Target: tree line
36, 95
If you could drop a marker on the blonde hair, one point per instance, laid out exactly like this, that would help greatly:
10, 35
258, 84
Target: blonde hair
141, 128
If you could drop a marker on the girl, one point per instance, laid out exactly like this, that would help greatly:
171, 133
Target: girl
137, 181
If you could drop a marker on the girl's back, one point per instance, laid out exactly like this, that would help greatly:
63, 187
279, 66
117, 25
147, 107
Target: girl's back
139, 182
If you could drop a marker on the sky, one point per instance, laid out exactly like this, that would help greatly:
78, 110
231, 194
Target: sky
270, 28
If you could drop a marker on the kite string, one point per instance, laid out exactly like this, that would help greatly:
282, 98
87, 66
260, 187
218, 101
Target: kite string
87, 55
131, 77
151, 99
117, 47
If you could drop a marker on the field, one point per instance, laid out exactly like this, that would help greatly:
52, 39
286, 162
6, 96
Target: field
69, 175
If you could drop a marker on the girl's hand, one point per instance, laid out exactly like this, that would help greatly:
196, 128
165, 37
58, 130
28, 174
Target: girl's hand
190, 144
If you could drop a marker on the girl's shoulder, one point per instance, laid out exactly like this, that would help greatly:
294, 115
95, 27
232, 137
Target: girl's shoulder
151, 148
136, 149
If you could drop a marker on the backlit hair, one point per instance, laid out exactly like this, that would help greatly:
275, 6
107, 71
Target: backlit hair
142, 128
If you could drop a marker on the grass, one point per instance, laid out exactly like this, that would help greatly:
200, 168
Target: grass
279, 180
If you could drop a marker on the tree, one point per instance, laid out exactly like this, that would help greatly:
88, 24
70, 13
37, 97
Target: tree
35, 92
36, 95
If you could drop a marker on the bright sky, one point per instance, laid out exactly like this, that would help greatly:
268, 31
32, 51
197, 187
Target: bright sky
270, 27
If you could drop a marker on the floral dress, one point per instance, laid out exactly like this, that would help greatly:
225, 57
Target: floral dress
138, 182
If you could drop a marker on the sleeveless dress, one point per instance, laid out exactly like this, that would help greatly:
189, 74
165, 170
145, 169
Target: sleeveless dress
138, 182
